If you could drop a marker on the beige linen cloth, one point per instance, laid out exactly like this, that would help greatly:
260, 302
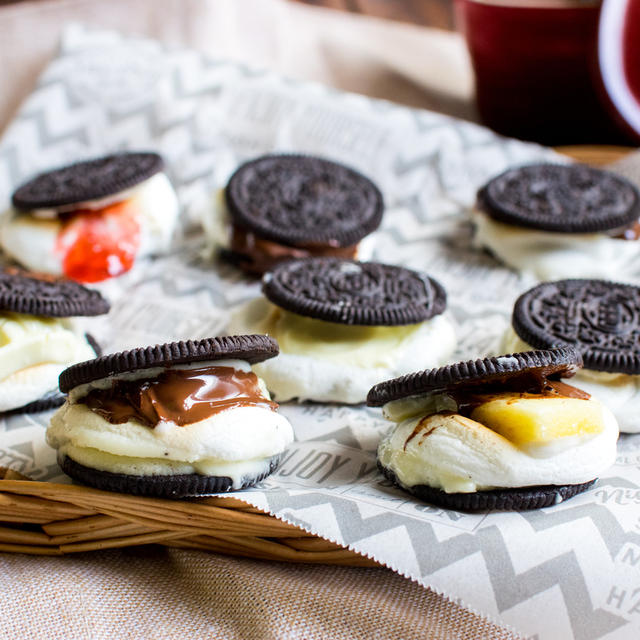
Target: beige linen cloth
152, 592
164, 593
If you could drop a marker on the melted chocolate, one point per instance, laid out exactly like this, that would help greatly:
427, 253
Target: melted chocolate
181, 396
467, 401
565, 390
260, 255
632, 232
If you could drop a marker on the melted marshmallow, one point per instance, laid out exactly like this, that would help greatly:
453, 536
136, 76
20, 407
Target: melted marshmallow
33, 353
348, 361
547, 255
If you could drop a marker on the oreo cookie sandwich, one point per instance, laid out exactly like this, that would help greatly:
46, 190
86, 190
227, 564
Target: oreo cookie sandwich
278, 207
173, 420
496, 433
91, 220
39, 337
600, 319
560, 221
344, 325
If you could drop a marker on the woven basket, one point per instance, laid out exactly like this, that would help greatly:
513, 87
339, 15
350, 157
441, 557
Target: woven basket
56, 519
44, 518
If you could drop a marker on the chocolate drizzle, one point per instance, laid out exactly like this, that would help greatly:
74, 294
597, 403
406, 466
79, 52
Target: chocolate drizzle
424, 430
181, 396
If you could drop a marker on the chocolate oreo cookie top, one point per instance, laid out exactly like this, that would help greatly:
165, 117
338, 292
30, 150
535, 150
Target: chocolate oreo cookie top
88, 180
303, 201
47, 296
601, 319
355, 293
561, 198
514, 371
252, 348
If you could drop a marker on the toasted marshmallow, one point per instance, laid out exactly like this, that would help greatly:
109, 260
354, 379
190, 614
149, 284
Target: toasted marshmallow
456, 454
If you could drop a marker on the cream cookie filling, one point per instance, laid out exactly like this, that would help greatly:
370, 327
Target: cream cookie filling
331, 362
548, 255
33, 353
618, 391
456, 454
31, 238
234, 442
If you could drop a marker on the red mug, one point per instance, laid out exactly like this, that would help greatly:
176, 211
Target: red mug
619, 62
536, 69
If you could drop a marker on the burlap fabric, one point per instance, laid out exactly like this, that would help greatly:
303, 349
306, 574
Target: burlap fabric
154, 592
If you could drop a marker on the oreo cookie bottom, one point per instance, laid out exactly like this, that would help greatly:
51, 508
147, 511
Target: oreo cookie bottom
169, 486
51, 400
518, 499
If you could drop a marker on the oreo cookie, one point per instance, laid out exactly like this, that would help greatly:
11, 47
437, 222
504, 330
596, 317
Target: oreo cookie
160, 486
513, 371
49, 296
561, 198
87, 180
44, 296
354, 293
600, 319
519, 499
251, 348
186, 425
298, 200
51, 400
